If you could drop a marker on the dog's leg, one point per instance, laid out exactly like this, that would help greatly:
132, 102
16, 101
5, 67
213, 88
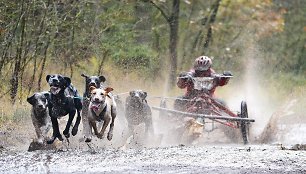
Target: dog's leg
111, 127
95, 128
89, 132
105, 124
77, 123
56, 132
69, 122
78, 106
37, 129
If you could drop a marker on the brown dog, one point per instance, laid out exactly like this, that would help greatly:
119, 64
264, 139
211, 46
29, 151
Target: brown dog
102, 107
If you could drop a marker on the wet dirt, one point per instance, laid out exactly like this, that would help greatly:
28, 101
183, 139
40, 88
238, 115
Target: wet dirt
213, 152
174, 159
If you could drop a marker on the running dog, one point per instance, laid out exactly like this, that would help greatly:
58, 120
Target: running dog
90, 81
102, 107
64, 100
137, 111
40, 114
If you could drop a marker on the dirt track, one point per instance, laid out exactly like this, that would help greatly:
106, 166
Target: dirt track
176, 159
212, 154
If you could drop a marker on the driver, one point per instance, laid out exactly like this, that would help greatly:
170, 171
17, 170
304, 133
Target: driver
201, 68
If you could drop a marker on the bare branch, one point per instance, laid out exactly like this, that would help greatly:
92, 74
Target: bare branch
161, 10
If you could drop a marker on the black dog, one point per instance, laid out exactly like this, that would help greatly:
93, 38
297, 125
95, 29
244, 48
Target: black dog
138, 111
64, 100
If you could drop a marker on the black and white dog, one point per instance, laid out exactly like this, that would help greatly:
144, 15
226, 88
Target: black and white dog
64, 100
138, 111
40, 114
90, 81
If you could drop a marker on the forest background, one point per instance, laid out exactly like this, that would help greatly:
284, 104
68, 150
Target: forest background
144, 44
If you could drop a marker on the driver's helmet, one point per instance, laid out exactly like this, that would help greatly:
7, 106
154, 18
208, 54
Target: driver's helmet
202, 63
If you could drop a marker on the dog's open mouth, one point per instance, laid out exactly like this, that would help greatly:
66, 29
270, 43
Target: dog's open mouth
95, 105
55, 90
92, 85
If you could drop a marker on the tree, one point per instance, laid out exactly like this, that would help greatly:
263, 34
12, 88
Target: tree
172, 19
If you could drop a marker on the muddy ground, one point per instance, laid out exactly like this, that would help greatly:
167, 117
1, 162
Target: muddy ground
208, 155
213, 152
174, 159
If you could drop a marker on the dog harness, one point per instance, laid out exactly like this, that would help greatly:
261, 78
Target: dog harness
99, 117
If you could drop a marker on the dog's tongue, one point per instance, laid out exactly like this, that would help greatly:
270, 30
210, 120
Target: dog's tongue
95, 106
55, 90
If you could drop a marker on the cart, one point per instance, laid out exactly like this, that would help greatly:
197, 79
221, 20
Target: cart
206, 107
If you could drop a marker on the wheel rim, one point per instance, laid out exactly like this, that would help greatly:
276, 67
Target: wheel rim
244, 125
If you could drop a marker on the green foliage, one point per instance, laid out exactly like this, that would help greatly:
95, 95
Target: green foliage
137, 58
134, 37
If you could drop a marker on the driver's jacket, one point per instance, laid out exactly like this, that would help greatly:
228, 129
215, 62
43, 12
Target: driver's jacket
187, 82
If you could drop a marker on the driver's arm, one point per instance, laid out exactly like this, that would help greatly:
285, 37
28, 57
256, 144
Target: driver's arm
224, 80
183, 80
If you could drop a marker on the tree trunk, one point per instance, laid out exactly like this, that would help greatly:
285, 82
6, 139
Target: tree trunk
174, 24
17, 67
173, 21
43, 64
212, 19
102, 62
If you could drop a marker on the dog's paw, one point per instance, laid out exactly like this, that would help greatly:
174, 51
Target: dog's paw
110, 136
87, 140
51, 140
66, 132
60, 137
101, 136
74, 131
40, 141
67, 135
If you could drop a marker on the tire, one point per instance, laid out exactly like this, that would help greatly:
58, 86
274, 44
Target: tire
244, 126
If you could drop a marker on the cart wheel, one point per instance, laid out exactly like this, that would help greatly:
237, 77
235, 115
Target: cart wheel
244, 126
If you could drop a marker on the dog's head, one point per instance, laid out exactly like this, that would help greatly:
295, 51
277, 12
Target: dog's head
94, 81
138, 96
39, 100
193, 126
98, 96
57, 83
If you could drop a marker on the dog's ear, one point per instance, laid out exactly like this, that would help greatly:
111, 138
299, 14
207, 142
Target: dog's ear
68, 81
108, 89
91, 88
83, 75
48, 77
47, 95
102, 79
31, 99
145, 94
132, 93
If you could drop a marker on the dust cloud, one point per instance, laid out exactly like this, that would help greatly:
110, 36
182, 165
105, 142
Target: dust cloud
279, 122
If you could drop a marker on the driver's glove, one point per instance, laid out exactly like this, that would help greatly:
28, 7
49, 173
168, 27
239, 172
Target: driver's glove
227, 73
226, 79
185, 75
